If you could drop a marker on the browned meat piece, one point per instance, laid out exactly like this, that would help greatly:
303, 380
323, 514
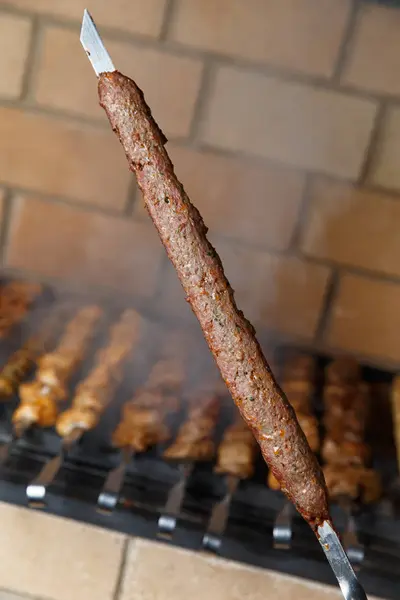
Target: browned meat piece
344, 452
144, 428
96, 391
41, 409
143, 418
237, 451
341, 482
16, 369
195, 437
353, 482
229, 335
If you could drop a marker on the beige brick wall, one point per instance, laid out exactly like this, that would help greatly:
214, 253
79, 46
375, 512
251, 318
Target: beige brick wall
284, 125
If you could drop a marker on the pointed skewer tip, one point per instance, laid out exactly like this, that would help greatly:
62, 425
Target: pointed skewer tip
94, 47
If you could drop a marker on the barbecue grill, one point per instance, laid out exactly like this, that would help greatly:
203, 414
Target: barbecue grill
247, 535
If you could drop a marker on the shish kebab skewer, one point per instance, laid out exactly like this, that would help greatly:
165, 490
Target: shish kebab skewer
235, 461
229, 335
194, 443
143, 422
41, 399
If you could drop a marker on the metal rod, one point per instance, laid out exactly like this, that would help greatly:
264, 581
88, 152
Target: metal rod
282, 531
36, 490
354, 549
334, 552
109, 495
167, 521
212, 539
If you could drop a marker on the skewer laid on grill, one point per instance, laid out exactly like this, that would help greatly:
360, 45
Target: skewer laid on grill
21, 363
194, 443
41, 398
344, 451
235, 461
230, 337
144, 418
91, 398
298, 383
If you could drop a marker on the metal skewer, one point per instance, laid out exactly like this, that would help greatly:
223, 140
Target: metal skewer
167, 521
109, 495
19, 430
354, 549
351, 589
282, 531
348, 582
36, 490
219, 517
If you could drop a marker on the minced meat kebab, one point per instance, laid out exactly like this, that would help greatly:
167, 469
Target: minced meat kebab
231, 338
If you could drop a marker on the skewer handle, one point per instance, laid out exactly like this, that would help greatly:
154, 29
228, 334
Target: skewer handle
219, 517
167, 521
348, 582
109, 496
282, 531
36, 490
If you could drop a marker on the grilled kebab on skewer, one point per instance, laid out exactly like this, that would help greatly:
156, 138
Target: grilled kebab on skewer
236, 455
144, 421
23, 360
95, 392
229, 335
344, 451
40, 399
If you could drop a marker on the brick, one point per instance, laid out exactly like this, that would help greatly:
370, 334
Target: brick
58, 240
374, 60
303, 35
87, 560
291, 122
188, 574
241, 200
161, 75
384, 169
281, 293
15, 33
2, 195
57, 157
134, 16
365, 318
347, 225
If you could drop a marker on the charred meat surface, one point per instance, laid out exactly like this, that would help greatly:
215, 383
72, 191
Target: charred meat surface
230, 337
